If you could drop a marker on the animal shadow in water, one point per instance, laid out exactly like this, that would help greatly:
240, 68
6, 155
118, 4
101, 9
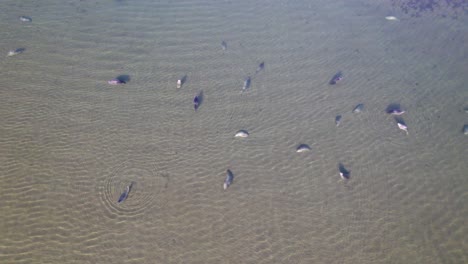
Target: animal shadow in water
346, 173
260, 68
248, 57
124, 78
392, 107
400, 120
20, 50
201, 97
167, 177
183, 80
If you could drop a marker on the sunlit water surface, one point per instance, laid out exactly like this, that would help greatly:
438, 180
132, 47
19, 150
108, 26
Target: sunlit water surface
70, 143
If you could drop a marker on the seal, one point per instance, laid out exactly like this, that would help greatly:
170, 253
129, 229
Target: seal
198, 100
402, 127
181, 81
25, 19
260, 67
241, 134
115, 82
246, 84
336, 78
344, 173
338, 120
396, 112
125, 193
16, 52
229, 179
358, 108
302, 148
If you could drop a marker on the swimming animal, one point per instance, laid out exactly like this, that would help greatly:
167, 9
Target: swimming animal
394, 109
302, 148
260, 67
336, 78
181, 81
124, 195
391, 18
395, 112
229, 179
197, 100
224, 45
16, 52
465, 129
241, 134
337, 120
358, 108
402, 127
246, 84
344, 173
116, 81
25, 19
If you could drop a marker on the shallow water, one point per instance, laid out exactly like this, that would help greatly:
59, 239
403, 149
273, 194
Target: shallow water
70, 143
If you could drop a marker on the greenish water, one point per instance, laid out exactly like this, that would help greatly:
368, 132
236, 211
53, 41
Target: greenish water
70, 143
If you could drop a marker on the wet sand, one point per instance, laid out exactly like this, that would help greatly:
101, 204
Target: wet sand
70, 143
